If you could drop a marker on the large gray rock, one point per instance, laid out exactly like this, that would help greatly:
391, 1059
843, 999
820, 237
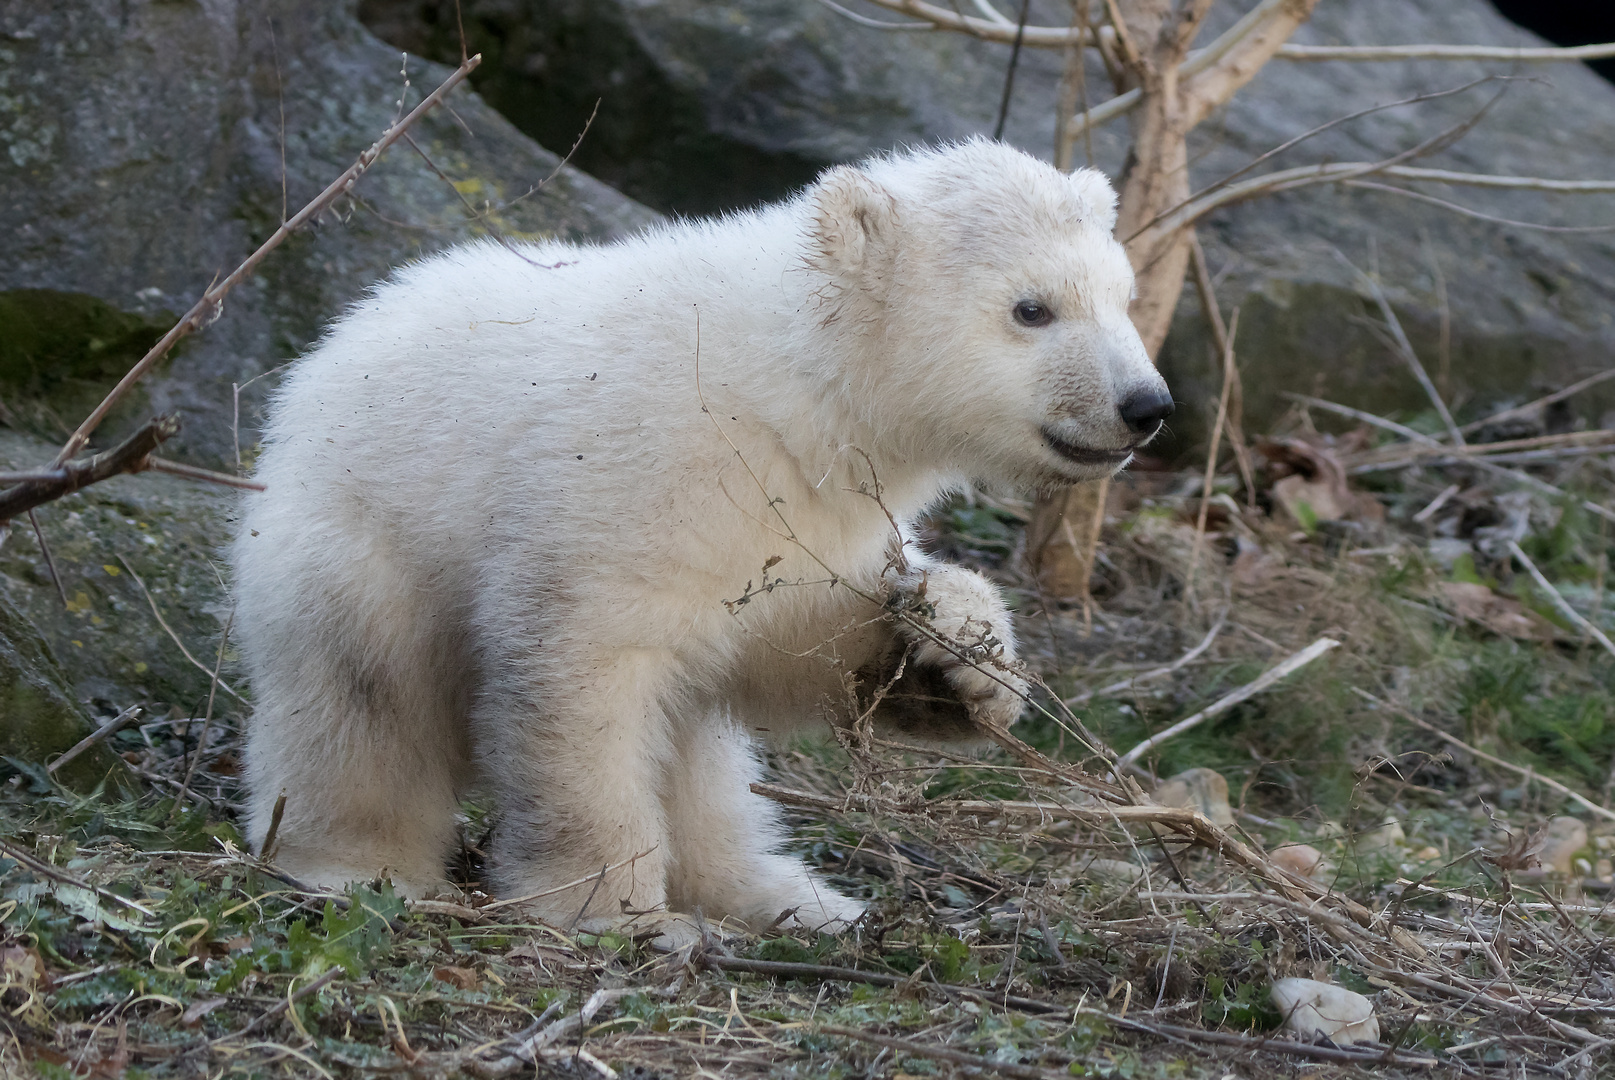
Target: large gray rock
708, 104
141, 155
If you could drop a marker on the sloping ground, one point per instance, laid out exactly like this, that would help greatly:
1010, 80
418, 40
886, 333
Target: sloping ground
1028, 916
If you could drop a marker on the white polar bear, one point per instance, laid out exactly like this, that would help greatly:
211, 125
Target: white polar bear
573, 525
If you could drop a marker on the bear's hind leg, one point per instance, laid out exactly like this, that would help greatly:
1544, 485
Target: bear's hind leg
725, 838
362, 802
360, 724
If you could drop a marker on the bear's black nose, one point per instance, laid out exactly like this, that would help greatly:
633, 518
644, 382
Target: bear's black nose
1144, 411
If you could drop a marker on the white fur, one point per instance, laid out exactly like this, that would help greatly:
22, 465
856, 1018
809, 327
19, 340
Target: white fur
500, 528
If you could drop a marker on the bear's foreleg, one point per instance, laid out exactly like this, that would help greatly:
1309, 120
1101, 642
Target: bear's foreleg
953, 635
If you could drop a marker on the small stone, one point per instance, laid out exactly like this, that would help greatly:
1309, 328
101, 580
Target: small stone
1312, 1009
1427, 853
1302, 859
1566, 836
1113, 870
1604, 869
1204, 790
1381, 837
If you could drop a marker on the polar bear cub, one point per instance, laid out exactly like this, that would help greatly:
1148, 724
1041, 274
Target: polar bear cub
576, 527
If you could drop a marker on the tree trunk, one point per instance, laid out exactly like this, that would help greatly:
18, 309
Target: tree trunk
1150, 47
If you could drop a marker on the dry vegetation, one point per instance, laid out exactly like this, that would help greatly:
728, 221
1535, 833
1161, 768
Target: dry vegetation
1027, 917
1033, 912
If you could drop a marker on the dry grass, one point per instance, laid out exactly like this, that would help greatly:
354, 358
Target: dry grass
1026, 918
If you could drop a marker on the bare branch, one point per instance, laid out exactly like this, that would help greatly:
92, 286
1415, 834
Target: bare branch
1265, 21
130, 456
1228, 701
1000, 29
1375, 53
1337, 172
1456, 208
1542, 402
875, 24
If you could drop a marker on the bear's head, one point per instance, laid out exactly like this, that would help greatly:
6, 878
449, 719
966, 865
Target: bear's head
981, 301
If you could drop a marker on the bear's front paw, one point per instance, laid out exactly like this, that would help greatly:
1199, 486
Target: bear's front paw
957, 649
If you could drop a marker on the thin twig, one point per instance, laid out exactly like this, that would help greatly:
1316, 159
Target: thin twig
111, 727
169, 630
786, 970
1541, 402
291, 999
207, 719
55, 575
192, 472
1272, 675
1211, 454
1206, 291
1470, 212
1280, 1046
1479, 462
39, 866
1381, 53
944, 1053
1157, 673
1405, 348
1558, 600
595, 877
266, 851
1009, 74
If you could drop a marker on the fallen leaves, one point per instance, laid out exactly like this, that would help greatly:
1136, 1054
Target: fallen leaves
1502, 615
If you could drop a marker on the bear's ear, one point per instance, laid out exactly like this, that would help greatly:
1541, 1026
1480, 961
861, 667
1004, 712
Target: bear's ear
854, 229
1098, 198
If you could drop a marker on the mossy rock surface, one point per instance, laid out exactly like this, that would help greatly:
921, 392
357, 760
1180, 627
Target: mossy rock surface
104, 649
61, 351
38, 716
147, 147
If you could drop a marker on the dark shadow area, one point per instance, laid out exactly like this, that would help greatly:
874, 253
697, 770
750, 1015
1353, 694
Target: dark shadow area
547, 65
1566, 22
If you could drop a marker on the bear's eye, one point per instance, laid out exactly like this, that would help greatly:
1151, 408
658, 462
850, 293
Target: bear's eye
1032, 313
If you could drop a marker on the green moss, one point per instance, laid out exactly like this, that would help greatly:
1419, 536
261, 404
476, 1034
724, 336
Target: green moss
38, 718
61, 351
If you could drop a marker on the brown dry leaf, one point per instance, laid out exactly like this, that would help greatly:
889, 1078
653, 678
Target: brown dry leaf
1502, 615
1521, 852
1313, 485
197, 1009
1205, 790
23, 967
464, 978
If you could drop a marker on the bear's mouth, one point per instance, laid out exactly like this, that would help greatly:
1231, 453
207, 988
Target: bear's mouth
1085, 455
